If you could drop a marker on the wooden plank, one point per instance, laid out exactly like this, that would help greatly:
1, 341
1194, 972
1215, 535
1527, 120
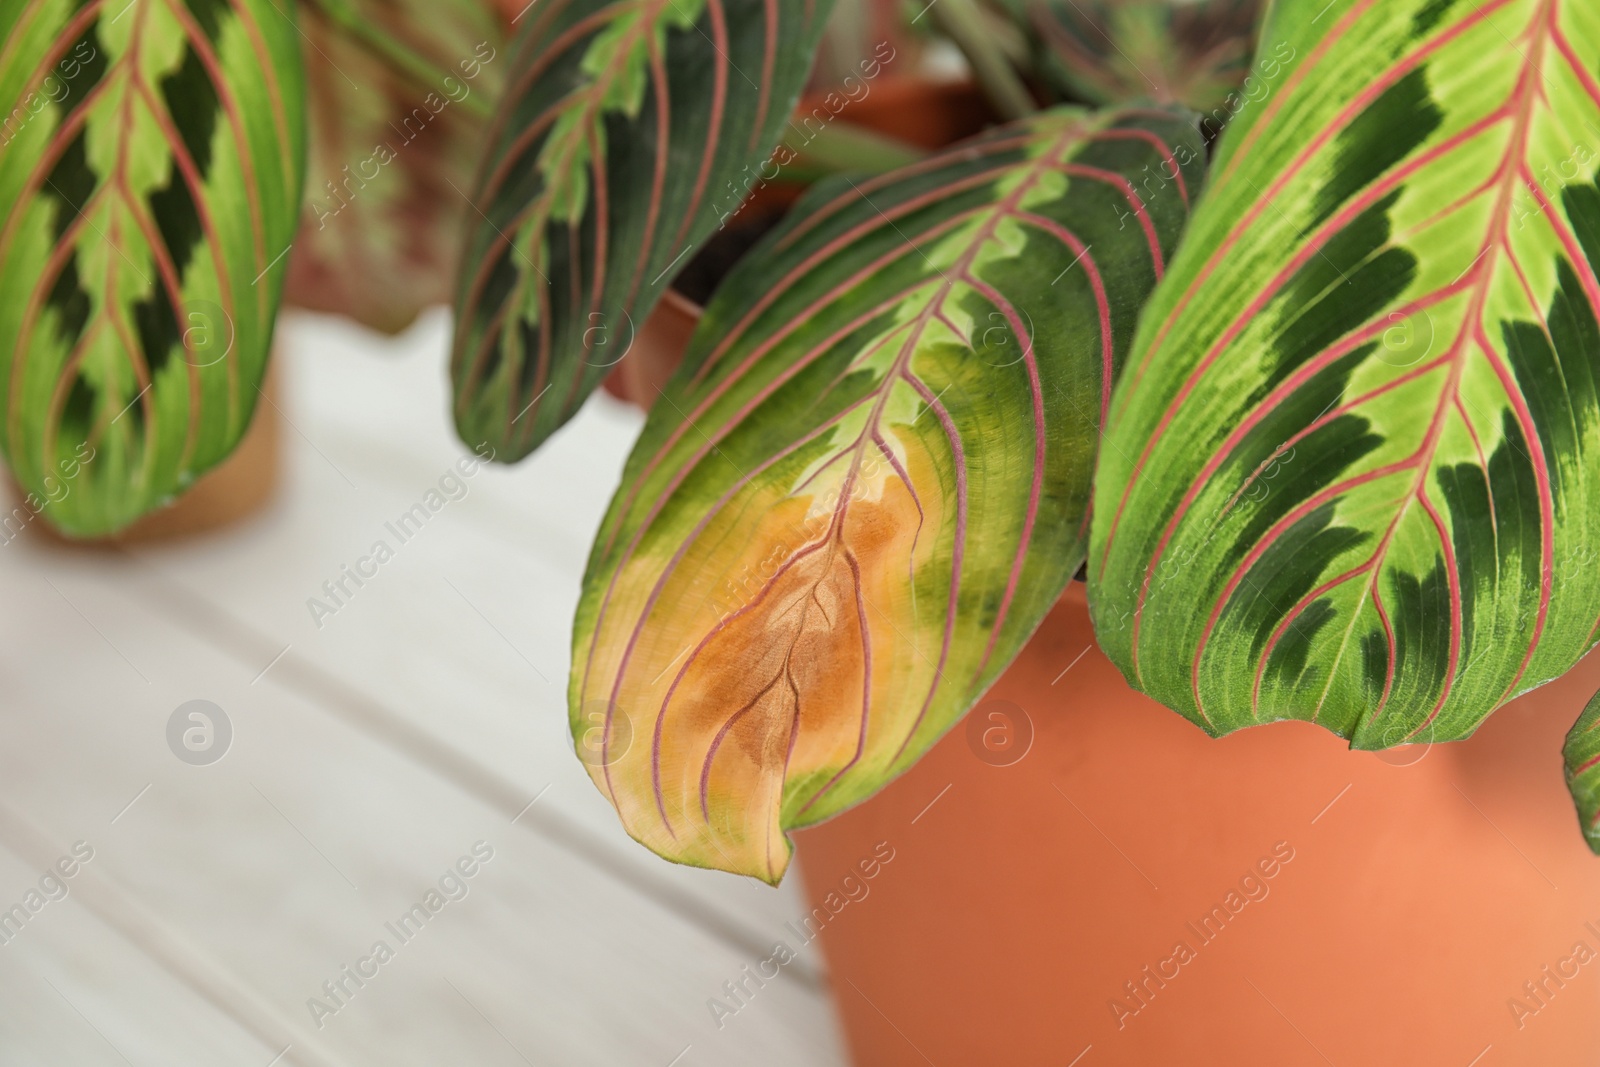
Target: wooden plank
77, 992
255, 879
458, 648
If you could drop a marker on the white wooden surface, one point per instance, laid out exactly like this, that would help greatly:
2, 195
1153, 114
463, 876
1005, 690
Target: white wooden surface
369, 754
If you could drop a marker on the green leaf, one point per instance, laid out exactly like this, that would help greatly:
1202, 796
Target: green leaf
629, 132
1350, 471
1115, 51
150, 176
400, 93
1582, 756
868, 482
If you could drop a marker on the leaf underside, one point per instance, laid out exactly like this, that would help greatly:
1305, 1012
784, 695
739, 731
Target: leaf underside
1349, 472
869, 480
629, 129
150, 176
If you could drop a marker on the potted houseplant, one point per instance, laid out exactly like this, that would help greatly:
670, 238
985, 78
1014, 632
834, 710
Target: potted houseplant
1285, 337
381, 104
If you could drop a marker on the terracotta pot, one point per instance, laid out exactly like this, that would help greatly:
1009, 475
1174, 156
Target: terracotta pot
236, 488
922, 112
1388, 908
657, 350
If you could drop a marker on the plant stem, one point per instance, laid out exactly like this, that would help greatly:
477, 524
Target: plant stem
422, 72
964, 23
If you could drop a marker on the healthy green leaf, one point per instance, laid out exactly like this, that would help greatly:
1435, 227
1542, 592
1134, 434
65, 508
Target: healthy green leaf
150, 178
868, 482
397, 128
630, 130
1350, 469
1582, 753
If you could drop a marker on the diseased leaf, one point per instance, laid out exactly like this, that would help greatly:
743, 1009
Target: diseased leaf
392, 157
150, 178
1115, 51
629, 130
1582, 754
1351, 472
867, 484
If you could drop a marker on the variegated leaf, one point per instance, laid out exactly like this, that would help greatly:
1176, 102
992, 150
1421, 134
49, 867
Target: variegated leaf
868, 482
1582, 754
392, 156
149, 202
629, 131
1352, 468
1114, 51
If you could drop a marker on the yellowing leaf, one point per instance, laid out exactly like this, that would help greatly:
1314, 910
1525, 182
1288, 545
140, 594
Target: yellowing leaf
869, 481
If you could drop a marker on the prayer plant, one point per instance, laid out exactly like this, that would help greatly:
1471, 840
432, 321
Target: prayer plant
1282, 328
